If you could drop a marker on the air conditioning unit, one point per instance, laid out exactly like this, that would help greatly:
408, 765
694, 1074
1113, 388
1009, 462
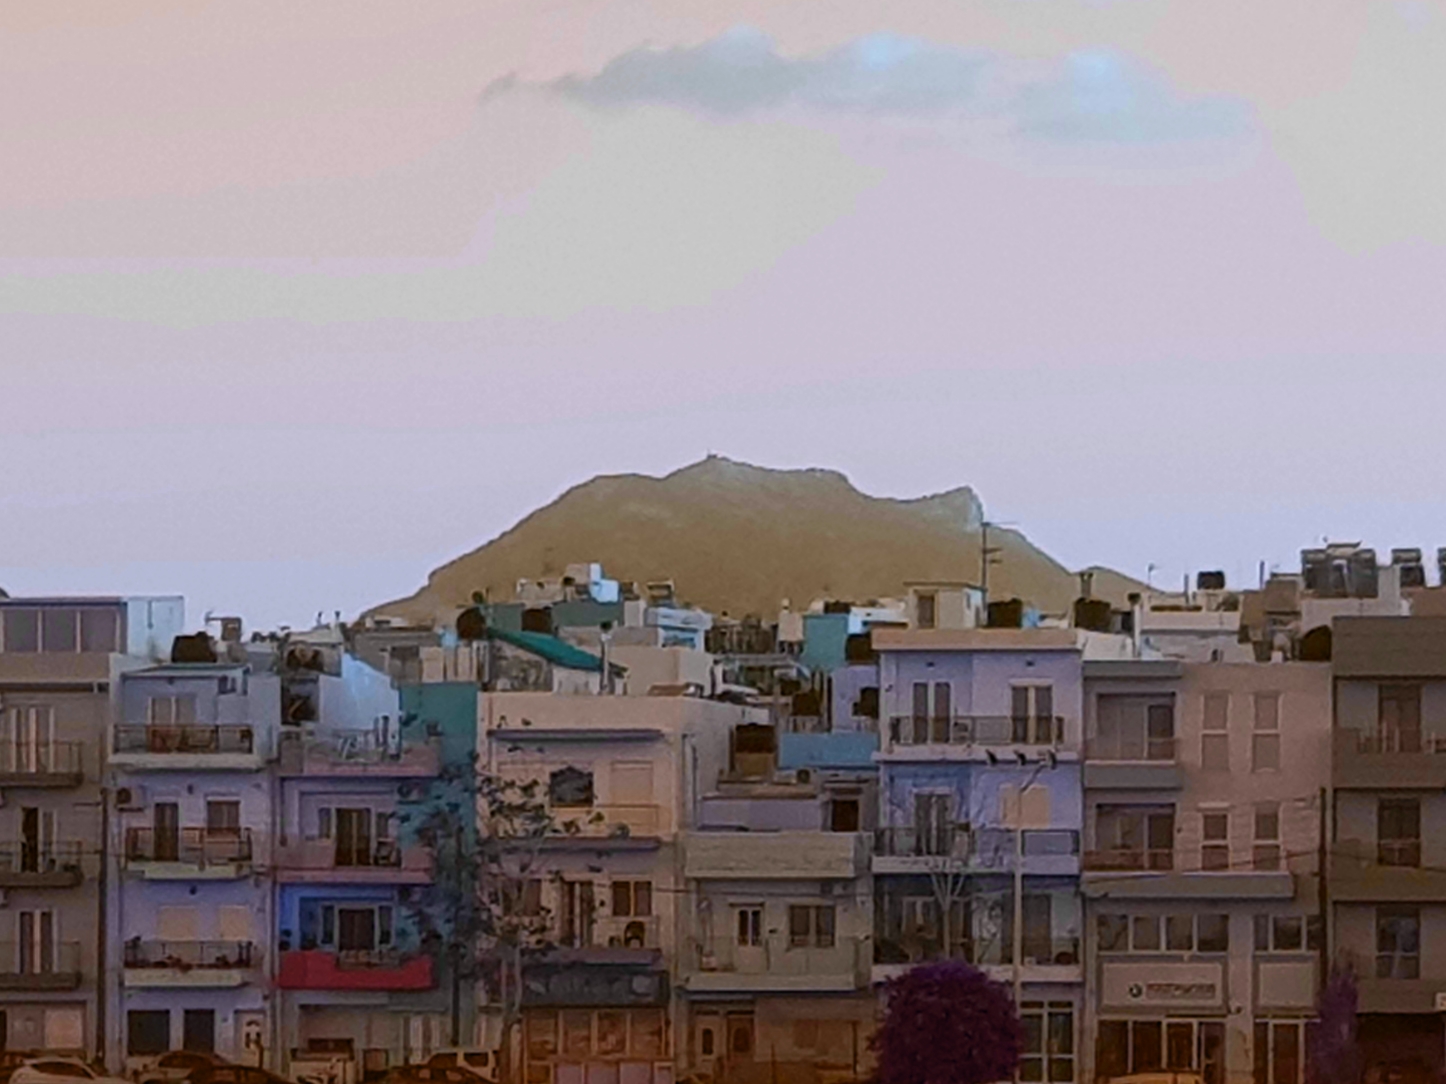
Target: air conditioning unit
803, 775
130, 798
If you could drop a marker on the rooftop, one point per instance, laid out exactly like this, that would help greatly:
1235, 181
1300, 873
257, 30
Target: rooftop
895, 639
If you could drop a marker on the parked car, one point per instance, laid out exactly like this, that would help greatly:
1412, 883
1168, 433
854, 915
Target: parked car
481, 1063
225, 1073
429, 1074
1163, 1076
44, 1070
10, 1060
177, 1066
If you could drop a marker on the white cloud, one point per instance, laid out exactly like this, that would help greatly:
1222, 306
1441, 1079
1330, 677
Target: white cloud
1092, 95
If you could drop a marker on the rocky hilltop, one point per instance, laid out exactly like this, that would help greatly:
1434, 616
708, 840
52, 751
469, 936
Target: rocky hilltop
739, 539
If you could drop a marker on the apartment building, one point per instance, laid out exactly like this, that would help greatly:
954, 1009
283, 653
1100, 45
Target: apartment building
58, 660
1204, 785
977, 853
191, 750
626, 773
356, 987
776, 964
1387, 880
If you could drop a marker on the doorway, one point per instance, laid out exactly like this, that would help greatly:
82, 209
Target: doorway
166, 828
198, 1031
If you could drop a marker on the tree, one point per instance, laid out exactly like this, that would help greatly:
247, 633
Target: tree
1335, 1056
482, 911
947, 1023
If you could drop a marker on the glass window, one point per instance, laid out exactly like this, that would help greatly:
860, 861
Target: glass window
1112, 933
570, 788
1398, 942
1398, 831
1180, 933
1266, 855
22, 631
1217, 712
1048, 1050
1398, 727
1215, 752
1287, 933
1215, 841
823, 926
99, 631
1146, 933
1265, 752
1267, 711
1213, 933
750, 926
925, 605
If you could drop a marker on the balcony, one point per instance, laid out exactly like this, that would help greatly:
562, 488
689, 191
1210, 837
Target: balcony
1109, 766
191, 854
38, 968
1363, 760
722, 966
1387, 872
188, 964
369, 969
187, 748
617, 940
34, 865
324, 861
622, 827
351, 753
971, 735
1159, 875
777, 855
1047, 851
57, 764
1055, 958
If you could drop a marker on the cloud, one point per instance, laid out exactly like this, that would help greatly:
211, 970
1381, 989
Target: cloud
1096, 95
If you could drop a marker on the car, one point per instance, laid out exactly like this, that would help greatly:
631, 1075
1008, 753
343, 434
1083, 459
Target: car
177, 1066
225, 1073
480, 1063
43, 1070
429, 1074
1162, 1076
10, 1060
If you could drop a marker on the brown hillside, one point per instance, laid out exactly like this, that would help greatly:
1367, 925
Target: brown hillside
739, 539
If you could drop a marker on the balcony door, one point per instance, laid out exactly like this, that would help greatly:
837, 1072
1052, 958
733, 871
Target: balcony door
577, 913
27, 742
932, 823
1038, 928
1031, 714
354, 837
35, 937
37, 839
166, 828
1399, 718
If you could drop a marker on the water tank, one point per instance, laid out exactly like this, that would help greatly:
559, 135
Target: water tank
1210, 581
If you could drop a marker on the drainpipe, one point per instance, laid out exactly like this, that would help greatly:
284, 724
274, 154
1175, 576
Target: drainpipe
102, 946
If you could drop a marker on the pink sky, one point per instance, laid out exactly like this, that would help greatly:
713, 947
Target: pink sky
292, 311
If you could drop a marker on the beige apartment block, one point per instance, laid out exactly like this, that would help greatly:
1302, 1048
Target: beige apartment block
59, 659
1205, 789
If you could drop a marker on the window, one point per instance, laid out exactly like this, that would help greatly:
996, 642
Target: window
1124, 1047
35, 934
1398, 726
633, 899
1048, 1053
1215, 733
1032, 715
1265, 741
22, 632
810, 926
1398, 942
58, 632
171, 711
1162, 933
523, 898
943, 713
931, 715
926, 605
1215, 841
750, 926
1135, 837
1398, 832
1288, 933
148, 1032
1279, 1051
570, 788
27, 740
843, 815
1266, 855
1134, 728
223, 817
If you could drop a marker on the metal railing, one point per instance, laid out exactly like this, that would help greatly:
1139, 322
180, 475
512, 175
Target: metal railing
1045, 730
54, 857
356, 751
1147, 751
778, 954
992, 848
1398, 852
48, 758
899, 946
383, 853
358, 959
184, 955
192, 846
42, 957
1130, 859
938, 841
1410, 740
185, 739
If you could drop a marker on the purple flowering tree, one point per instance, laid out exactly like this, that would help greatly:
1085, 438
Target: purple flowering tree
1336, 1055
947, 1023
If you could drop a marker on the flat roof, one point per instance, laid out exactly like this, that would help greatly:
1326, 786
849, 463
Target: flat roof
85, 600
894, 639
1389, 647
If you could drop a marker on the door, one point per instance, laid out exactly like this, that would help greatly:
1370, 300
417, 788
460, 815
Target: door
353, 837
166, 828
29, 839
708, 1039
577, 913
931, 824
740, 1038
198, 1031
356, 929
1038, 945
35, 932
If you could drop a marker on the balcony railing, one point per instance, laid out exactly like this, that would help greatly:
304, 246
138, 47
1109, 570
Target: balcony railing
991, 848
966, 730
1150, 751
1129, 860
185, 955
910, 947
51, 761
778, 956
189, 846
1398, 852
942, 841
185, 739
43, 965
357, 752
354, 969
22, 859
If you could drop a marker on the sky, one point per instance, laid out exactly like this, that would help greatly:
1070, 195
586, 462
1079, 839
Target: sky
299, 301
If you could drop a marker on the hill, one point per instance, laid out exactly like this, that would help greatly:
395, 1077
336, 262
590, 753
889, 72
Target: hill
739, 539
